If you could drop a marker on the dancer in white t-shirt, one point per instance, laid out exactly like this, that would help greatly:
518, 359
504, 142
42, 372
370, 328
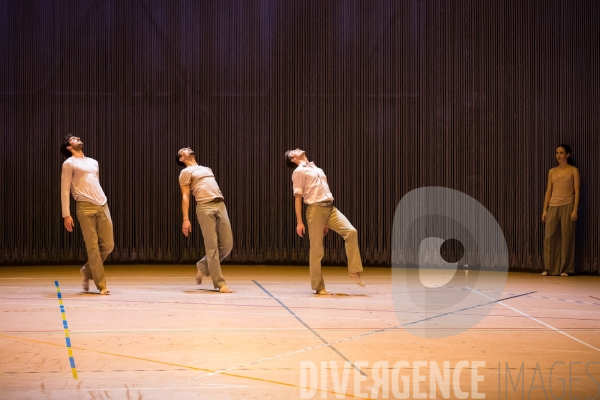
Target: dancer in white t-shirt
80, 177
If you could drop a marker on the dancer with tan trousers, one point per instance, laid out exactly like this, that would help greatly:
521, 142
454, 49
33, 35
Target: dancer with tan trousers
561, 204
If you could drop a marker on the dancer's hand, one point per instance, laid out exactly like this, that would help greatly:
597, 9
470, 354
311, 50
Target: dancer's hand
574, 216
544, 214
300, 229
186, 227
325, 231
69, 224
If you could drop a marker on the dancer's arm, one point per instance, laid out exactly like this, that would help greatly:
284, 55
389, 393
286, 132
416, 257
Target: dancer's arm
298, 207
576, 185
547, 197
65, 190
186, 227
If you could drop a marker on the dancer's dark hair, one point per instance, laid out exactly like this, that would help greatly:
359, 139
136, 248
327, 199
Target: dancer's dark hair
290, 164
568, 151
63, 146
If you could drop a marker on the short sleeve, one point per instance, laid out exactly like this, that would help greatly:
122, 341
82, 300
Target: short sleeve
298, 182
185, 177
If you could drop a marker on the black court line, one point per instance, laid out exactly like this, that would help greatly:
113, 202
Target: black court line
310, 329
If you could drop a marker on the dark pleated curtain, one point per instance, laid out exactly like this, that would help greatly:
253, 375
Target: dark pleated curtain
385, 96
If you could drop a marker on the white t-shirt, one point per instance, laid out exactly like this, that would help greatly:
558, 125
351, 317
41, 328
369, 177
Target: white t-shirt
80, 177
310, 181
202, 183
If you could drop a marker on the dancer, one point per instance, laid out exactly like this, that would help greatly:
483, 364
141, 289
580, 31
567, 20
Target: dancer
560, 213
80, 177
310, 183
211, 213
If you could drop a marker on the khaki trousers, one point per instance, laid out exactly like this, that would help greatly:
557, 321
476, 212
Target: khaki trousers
318, 218
218, 240
559, 241
97, 230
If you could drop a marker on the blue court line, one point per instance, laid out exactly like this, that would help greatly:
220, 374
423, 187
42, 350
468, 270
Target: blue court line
66, 328
310, 329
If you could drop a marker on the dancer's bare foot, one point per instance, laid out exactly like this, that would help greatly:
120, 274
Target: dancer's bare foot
357, 278
224, 289
322, 292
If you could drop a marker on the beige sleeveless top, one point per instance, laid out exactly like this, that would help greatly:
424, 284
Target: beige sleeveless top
562, 187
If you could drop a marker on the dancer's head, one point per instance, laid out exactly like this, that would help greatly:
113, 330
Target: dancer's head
294, 157
185, 154
70, 142
563, 152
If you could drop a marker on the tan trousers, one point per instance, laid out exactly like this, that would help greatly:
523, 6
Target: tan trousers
218, 240
317, 218
97, 230
559, 241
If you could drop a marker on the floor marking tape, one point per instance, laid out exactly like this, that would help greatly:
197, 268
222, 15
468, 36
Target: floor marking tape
310, 329
361, 336
66, 329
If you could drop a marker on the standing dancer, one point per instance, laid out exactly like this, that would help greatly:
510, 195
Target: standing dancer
560, 213
211, 213
310, 183
80, 177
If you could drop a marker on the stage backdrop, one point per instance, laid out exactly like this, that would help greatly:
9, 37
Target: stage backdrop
385, 96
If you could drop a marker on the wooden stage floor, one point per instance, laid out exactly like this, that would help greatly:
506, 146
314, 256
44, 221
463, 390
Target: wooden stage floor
161, 336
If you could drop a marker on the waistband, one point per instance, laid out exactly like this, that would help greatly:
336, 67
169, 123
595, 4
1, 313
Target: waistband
215, 200
328, 203
83, 203
570, 203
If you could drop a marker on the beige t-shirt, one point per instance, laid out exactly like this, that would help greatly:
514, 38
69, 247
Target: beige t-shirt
80, 177
202, 183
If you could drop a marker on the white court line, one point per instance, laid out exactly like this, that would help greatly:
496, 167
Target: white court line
346, 298
562, 351
241, 278
541, 322
100, 308
567, 301
205, 386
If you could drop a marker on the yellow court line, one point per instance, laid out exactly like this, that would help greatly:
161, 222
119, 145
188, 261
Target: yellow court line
175, 365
